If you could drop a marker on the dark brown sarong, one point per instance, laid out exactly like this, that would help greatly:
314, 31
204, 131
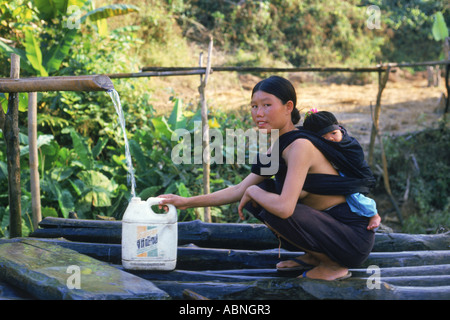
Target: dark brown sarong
337, 232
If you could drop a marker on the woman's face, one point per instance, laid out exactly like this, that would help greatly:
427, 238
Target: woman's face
268, 112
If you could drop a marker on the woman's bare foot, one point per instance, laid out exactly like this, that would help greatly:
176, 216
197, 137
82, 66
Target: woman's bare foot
307, 259
327, 272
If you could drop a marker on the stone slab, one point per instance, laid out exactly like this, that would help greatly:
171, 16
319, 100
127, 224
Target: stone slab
48, 271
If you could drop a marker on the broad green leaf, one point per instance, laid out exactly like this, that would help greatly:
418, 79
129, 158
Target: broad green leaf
102, 27
183, 190
162, 128
97, 188
137, 153
149, 192
177, 119
43, 139
61, 173
49, 212
439, 29
3, 102
59, 51
66, 203
82, 150
101, 143
109, 11
78, 3
49, 9
4, 168
23, 102
24, 63
33, 53
93, 178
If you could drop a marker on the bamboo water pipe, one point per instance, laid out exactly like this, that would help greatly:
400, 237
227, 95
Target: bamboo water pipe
64, 83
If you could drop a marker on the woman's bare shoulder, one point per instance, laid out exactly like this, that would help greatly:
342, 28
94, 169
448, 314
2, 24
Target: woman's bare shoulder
298, 145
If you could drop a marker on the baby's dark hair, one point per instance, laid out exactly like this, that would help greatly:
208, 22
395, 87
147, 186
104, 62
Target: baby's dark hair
320, 122
283, 90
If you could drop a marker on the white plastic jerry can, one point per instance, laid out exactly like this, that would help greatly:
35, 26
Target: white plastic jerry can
149, 239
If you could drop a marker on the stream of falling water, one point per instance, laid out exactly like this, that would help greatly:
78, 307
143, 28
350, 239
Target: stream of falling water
118, 106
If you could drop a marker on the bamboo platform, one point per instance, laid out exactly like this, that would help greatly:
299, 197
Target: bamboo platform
220, 262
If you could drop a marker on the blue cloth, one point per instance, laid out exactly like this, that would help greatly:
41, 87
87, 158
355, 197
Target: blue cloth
361, 205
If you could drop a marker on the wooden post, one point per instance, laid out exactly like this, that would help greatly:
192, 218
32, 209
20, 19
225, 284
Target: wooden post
376, 115
11, 134
430, 76
386, 182
437, 76
33, 154
205, 129
375, 133
447, 70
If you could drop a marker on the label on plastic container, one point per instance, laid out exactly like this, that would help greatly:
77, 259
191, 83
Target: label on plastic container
147, 241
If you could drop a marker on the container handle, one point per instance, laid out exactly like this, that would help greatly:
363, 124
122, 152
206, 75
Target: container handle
154, 201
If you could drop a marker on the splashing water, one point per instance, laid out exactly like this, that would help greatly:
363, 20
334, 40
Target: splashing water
118, 106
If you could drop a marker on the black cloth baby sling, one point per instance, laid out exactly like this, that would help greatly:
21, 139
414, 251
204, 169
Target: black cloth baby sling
346, 156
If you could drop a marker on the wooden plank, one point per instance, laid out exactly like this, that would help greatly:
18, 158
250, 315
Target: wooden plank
194, 258
223, 235
304, 289
48, 271
403, 275
9, 292
415, 278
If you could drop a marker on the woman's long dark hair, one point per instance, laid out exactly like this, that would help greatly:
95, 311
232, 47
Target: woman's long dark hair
283, 90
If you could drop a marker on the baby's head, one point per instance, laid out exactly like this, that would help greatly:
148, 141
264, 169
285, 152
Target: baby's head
323, 123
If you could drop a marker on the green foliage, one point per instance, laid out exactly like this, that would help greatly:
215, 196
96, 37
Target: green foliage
439, 29
44, 52
319, 33
408, 26
300, 32
422, 158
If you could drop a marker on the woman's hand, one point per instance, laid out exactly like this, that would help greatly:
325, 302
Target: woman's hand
244, 200
178, 201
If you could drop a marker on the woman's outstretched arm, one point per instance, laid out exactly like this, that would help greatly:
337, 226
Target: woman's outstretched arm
218, 198
299, 156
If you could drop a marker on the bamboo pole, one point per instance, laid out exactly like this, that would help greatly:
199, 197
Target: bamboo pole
263, 69
382, 80
33, 154
69, 83
11, 134
205, 129
162, 73
386, 182
447, 71
414, 64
